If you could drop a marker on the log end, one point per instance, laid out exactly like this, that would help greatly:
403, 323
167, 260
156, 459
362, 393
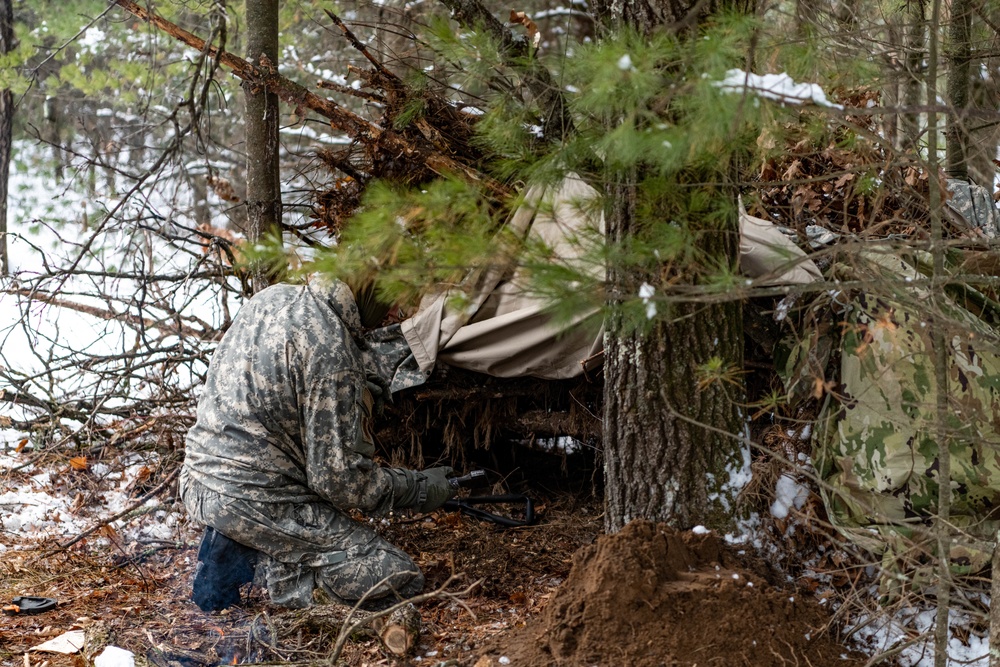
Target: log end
401, 630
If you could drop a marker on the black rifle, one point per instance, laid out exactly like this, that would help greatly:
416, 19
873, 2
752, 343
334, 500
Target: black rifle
468, 506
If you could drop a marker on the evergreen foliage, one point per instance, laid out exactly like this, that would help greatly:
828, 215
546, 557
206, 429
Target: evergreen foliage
645, 106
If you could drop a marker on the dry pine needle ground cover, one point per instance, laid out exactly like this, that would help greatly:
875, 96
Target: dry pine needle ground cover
136, 596
558, 593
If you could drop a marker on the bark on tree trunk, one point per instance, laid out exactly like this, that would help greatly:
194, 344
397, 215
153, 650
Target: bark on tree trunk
984, 135
647, 15
667, 444
959, 79
913, 73
6, 129
263, 179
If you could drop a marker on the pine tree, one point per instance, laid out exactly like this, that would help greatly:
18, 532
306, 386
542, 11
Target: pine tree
669, 439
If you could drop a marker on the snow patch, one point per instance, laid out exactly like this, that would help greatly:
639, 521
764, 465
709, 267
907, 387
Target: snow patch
646, 293
778, 87
788, 493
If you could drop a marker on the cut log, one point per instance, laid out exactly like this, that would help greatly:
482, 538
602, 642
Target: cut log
401, 630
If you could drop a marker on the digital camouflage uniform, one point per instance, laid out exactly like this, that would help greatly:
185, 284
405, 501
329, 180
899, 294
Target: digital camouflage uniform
975, 205
282, 446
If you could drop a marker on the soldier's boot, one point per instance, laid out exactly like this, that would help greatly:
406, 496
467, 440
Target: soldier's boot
223, 566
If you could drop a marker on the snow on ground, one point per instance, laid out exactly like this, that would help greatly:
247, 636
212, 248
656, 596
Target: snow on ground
884, 633
36, 504
45, 218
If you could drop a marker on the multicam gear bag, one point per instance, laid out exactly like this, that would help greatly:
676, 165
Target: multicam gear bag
877, 446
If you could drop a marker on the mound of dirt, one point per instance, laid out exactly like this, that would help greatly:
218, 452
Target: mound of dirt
649, 596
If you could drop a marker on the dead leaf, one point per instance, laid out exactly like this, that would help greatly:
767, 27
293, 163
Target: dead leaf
806, 198
843, 180
521, 18
78, 463
223, 189
4, 421
794, 169
21, 445
821, 386
802, 145
768, 172
107, 531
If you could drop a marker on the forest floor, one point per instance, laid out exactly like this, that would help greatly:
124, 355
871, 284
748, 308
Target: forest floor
555, 593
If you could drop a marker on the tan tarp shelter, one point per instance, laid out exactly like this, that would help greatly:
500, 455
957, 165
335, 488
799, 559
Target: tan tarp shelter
505, 331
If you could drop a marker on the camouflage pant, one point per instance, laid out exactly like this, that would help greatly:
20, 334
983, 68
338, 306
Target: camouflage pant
309, 546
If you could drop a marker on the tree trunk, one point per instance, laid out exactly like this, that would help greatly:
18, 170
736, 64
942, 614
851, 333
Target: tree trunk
6, 129
667, 443
984, 135
806, 18
959, 80
263, 178
913, 73
892, 88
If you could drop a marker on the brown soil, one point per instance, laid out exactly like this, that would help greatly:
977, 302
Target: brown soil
651, 596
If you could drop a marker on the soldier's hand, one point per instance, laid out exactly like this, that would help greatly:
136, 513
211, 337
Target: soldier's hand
437, 490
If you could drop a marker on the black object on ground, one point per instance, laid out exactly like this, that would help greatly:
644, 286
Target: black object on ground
475, 479
27, 605
468, 506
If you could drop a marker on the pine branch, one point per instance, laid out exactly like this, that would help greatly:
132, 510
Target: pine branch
516, 53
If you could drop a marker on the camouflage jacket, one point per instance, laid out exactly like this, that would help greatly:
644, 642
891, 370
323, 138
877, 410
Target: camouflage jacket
286, 410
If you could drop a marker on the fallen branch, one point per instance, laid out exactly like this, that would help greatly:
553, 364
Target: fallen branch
266, 75
362, 49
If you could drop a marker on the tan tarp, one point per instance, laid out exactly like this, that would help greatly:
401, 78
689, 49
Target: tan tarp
505, 331
770, 257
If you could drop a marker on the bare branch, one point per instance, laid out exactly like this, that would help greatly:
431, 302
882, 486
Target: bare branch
340, 118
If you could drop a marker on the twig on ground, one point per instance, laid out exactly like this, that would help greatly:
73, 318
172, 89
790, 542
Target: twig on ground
93, 529
349, 628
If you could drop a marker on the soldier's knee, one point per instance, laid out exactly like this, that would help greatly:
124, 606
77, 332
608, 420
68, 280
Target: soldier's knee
380, 573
